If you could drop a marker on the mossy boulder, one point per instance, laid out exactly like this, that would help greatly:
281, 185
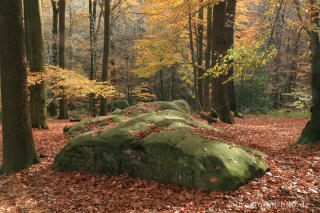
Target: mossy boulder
161, 141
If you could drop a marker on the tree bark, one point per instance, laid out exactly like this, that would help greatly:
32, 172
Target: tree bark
193, 61
161, 85
18, 146
230, 20
54, 55
55, 15
219, 90
106, 50
200, 57
206, 99
63, 103
311, 133
35, 56
173, 83
92, 16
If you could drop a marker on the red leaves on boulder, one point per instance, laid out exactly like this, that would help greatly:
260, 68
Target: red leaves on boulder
213, 179
153, 129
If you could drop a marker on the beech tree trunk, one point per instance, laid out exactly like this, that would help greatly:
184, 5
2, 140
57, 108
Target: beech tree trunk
200, 58
106, 50
206, 92
161, 87
55, 15
193, 61
35, 56
54, 54
220, 100
63, 103
92, 16
230, 20
18, 146
311, 133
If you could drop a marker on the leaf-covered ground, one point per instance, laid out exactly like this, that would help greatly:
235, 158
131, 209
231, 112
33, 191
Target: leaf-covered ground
293, 183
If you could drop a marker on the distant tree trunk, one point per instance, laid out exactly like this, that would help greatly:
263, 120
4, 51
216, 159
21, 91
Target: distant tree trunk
173, 84
193, 61
230, 20
71, 49
201, 81
311, 133
206, 92
54, 55
106, 50
161, 85
63, 103
55, 15
219, 90
52, 109
35, 50
18, 146
92, 16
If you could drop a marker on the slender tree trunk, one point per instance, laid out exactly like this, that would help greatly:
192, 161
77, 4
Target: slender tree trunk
63, 103
311, 133
173, 84
219, 90
55, 15
106, 50
161, 85
18, 146
35, 50
92, 16
193, 61
230, 20
200, 58
206, 92
71, 49
54, 55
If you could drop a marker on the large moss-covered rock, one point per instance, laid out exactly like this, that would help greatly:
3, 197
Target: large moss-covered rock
161, 141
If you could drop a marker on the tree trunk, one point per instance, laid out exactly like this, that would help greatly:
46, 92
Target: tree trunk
311, 133
54, 55
193, 61
161, 85
55, 13
173, 82
63, 103
230, 20
219, 90
206, 92
35, 50
52, 109
106, 49
18, 147
92, 16
200, 58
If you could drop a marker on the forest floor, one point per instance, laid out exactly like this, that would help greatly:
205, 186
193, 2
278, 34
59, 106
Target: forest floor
292, 184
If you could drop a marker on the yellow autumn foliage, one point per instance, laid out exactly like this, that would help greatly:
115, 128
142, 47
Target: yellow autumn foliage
67, 83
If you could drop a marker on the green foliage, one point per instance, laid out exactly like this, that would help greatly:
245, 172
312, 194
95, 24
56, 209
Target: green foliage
251, 95
279, 114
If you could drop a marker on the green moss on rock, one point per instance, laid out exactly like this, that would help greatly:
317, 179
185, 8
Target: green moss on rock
166, 151
117, 104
